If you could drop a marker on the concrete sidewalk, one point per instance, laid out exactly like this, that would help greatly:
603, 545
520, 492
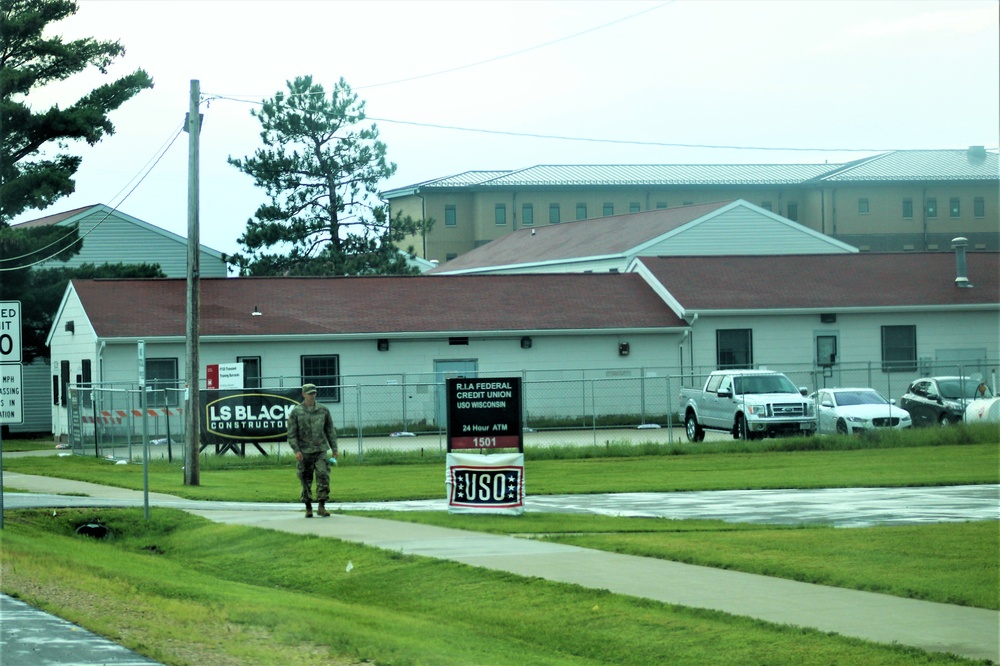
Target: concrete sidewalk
969, 632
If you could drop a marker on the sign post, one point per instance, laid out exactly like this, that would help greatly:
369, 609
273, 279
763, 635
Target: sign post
485, 415
11, 409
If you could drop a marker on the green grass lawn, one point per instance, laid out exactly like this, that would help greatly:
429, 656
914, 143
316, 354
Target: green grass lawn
186, 591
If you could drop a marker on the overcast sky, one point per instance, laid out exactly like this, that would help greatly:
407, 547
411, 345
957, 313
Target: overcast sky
798, 82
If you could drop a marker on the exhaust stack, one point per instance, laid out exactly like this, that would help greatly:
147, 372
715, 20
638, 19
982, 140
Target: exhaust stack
961, 277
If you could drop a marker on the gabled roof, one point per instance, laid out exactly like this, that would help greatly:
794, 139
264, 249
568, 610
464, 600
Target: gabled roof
582, 239
974, 163
78, 214
612, 237
920, 165
377, 305
827, 282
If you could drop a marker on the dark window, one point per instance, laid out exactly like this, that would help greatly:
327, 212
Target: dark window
979, 207
661, 204
251, 371
907, 208
766, 205
899, 348
734, 348
863, 206
500, 214
554, 214
634, 207
324, 372
608, 209
826, 350
954, 207
450, 218
793, 211
86, 378
450, 256
63, 381
162, 382
932, 207
527, 215
581, 211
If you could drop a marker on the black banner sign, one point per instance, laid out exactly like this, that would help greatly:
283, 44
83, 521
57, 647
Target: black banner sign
246, 416
484, 413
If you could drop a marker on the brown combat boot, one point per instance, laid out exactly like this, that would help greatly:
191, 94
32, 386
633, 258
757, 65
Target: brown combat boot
322, 510
309, 510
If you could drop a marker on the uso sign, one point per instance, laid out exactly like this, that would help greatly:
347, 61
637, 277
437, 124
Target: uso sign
484, 414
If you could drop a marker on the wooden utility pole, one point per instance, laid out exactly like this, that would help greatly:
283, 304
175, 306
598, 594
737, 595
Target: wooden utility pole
192, 406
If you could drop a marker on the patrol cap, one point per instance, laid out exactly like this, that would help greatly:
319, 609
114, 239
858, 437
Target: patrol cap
308, 388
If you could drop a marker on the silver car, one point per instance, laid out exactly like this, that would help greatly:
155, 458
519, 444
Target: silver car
849, 411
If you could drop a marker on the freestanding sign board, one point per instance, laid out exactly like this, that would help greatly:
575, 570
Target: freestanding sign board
484, 415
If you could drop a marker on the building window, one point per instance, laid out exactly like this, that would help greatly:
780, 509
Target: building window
450, 219
554, 214
907, 208
691, 203
450, 256
500, 214
932, 207
793, 211
527, 215
979, 207
162, 382
581, 211
766, 205
608, 209
826, 350
734, 348
324, 372
899, 348
863, 206
634, 207
954, 207
661, 204
251, 371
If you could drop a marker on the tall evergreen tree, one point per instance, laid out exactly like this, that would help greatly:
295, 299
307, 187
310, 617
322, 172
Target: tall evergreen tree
30, 179
320, 166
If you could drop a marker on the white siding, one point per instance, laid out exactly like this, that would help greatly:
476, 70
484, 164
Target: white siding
742, 231
116, 238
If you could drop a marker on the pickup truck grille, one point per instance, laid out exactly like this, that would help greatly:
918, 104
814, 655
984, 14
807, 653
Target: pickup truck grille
788, 409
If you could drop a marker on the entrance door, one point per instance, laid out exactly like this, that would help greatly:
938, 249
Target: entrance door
444, 370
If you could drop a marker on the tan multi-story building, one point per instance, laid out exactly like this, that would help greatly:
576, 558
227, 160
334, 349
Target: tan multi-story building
906, 200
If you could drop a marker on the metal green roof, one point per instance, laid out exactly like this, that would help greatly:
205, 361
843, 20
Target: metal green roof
920, 165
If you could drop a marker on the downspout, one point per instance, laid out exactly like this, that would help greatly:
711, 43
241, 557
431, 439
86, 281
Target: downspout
923, 214
822, 211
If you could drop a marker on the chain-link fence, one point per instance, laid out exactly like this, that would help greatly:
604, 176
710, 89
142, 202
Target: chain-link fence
399, 410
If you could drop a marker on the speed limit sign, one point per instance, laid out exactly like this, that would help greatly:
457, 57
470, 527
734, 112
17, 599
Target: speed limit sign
10, 331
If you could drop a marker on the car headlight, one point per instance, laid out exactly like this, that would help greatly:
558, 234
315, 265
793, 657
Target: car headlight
856, 419
757, 410
954, 406
904, 419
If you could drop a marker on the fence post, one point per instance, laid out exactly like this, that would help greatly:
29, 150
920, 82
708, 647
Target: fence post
360, 436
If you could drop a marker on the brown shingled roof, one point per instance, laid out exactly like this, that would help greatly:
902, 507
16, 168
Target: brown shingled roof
826, 281
55, 218
599, 236
383, 305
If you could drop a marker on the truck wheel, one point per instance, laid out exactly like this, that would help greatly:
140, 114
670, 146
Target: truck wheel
944, 420
841, 427
740, 428
695, 433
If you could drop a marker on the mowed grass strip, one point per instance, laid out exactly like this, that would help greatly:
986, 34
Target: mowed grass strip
956, 563
183, 590
271, 481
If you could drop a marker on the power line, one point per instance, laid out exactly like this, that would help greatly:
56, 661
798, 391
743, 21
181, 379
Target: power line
99, 222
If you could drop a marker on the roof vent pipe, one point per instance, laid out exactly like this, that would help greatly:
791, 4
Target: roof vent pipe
958, 244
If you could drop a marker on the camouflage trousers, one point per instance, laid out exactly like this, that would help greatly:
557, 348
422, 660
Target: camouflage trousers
314, 464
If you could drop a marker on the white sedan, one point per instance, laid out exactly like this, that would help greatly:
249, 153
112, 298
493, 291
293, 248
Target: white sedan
848, 411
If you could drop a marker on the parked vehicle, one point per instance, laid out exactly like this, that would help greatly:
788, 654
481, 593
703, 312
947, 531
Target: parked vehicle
750, 404
942, 400
849, 411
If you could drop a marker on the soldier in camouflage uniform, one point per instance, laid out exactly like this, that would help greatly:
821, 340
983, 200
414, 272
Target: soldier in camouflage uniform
310, 434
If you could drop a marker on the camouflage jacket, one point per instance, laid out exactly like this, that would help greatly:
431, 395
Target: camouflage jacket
311, 430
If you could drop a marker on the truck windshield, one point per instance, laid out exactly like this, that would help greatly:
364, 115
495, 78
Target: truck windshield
749, 384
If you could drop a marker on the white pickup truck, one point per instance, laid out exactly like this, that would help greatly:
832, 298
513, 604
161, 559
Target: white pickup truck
750, 404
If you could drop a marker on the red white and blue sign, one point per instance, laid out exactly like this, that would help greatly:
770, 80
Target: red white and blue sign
479, 483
